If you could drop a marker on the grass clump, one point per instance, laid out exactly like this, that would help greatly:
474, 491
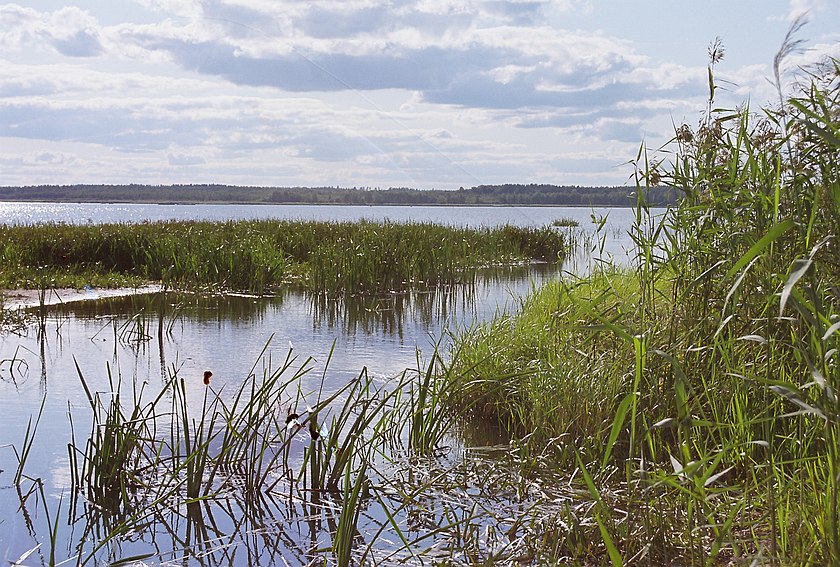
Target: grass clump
334, 258
279, 467
694, 396
565, 222
541, 357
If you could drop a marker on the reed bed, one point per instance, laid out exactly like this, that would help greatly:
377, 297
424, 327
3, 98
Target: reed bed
332, 258
694, 396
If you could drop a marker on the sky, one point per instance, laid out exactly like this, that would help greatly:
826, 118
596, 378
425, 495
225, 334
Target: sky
428, 94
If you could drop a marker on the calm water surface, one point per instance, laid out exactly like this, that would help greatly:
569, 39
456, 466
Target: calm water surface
117, 337
96, 213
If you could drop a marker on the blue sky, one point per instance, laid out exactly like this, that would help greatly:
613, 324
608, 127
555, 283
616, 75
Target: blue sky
425, 93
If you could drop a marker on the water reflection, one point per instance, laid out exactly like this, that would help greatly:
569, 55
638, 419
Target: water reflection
389, 314
145, 338
138, 342
167, 308
135, 320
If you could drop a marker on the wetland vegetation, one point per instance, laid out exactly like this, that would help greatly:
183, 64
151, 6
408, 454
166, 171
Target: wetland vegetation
694, 396
258, 256
681, 411
272, 466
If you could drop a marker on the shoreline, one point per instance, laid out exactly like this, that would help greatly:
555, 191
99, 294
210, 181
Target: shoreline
290, 203
29, 298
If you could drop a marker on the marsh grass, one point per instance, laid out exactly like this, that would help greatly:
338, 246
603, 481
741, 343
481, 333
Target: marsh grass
430, 419
332, 258
281, 467
169, 462
12, 320
681, 411
367, 469
565, 222
694, 395
515, 378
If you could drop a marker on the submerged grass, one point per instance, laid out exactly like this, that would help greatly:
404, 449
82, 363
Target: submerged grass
695, 395
328, 257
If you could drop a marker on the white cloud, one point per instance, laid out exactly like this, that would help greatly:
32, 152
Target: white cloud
185, 159
366, 92
802, 7
69, 31
48, 158
18, 25
180, 8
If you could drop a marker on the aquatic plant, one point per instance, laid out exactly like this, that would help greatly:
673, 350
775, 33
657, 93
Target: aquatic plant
156, 454
683, 411
333, 258
694, 394
565, 223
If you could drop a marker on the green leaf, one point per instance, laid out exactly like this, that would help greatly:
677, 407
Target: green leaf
588, 479
618, 423
615, 556
700, 278
797, 270
775, 232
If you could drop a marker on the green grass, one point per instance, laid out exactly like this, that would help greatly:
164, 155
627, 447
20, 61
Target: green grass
328, 257
521, 369
565, 222
694, 395
252, 457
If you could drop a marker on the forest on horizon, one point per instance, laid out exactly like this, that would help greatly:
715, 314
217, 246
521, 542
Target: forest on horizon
506, 194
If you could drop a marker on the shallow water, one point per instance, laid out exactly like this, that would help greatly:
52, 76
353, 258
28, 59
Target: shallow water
227, 335
117, 341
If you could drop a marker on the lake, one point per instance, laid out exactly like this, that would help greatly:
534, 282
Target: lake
116, 342
97, 213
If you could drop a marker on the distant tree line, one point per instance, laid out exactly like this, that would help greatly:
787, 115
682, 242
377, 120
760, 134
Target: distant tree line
507, 194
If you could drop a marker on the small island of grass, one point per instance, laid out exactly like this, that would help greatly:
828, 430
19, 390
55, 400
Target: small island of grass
331, 258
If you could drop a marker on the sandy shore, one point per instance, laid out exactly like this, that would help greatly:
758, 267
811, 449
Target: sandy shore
24, 298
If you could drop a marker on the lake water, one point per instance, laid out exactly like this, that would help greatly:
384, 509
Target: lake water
96, 213
117, 338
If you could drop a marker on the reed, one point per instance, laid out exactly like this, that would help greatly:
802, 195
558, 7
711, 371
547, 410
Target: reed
143, 461
214, 473
565, 223
695, 393
347, 530
328, 257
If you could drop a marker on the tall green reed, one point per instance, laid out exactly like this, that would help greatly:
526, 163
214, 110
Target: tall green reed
150, 451
329, 257
720, 398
